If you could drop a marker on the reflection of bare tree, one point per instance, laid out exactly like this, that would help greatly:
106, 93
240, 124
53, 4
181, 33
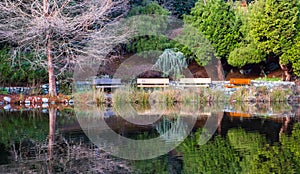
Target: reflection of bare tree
52, 121
284, 126
79, 157
60, 153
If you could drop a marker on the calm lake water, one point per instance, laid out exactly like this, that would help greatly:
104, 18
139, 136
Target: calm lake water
210, 138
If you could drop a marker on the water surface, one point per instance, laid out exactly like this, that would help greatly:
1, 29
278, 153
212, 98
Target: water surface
242, 138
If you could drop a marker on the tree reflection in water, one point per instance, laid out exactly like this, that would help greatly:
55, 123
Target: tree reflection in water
242, 152
28, 149
34, 142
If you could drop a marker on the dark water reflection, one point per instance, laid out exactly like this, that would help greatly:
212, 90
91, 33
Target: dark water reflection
244, 138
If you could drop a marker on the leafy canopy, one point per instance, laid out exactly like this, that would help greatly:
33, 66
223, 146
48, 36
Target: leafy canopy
274, 28
217, 22
150, 37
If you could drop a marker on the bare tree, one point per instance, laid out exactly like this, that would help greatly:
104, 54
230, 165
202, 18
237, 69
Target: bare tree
58, 31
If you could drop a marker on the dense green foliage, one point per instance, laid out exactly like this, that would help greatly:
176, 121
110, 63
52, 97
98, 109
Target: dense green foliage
150, 8
176, 7
270, 29
213, 157
151, 30
21, 70
242, 152
249, 54
292, 56
195, 45
217, 22
180, 7
273, 25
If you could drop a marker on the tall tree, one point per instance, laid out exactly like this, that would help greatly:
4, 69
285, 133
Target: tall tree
56, 31
217, 22
247, 52
274, 26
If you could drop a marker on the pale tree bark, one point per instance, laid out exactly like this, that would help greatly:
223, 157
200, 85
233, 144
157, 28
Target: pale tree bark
220, 71
59, 32
52, 81
284, 126
52, 122
286, 72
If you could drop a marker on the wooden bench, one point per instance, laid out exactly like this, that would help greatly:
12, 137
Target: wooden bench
238, 82
194, 82
106, 83
152, 82
237, 114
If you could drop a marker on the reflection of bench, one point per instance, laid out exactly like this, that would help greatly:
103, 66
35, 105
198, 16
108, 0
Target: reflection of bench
152, 82
194, 82
237, 82
107, 83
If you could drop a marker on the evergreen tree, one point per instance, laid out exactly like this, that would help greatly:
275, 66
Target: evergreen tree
217, 22
273, 27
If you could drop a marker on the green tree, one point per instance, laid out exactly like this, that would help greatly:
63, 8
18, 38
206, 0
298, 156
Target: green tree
19, 71
150, 37
292, 56
217, 22
171, 63
216, 156
273, 27
176, 7
247, 52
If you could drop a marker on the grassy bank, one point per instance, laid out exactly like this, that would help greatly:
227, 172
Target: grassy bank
199, 95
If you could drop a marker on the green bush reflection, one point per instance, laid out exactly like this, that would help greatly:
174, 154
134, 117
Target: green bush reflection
242, 152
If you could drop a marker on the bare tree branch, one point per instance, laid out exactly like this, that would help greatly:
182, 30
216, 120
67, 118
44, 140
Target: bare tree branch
75, 29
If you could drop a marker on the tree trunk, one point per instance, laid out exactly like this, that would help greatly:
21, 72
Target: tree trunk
52, 82
286, 72
204, 2
221, 76
52, 122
